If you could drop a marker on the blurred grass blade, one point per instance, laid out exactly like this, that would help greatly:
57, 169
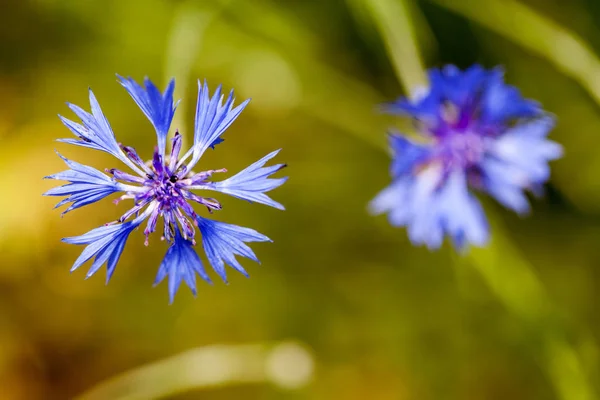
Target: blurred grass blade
249, 29
565, 369
509, 276
394, 23
183, 46
515, 283
540, 35
286, 364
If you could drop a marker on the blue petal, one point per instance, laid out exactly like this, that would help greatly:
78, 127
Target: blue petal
447, 84
222, 242
212, 119
525, 147
157, 107
86, 185
431, 207
95, 132
518, 160
408, 202
105, 243
181, 263
501, 102
394, 200
425, 224
407, 154
460, 88
506, 183
425, 107
252, 183
462, 215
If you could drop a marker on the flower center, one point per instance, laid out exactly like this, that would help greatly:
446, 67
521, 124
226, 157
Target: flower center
166, 192
461, 149
458, 144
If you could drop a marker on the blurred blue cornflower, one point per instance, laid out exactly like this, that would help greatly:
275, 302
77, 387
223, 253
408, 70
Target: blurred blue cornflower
164, 187
475, 131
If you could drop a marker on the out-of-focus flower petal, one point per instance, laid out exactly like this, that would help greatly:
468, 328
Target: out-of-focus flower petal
478, 132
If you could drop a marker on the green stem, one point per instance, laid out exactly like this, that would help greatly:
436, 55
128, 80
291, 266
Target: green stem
513, 280
395, 25
185, 39
285, 364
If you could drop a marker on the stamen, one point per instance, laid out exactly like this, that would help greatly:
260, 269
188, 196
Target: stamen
124, 176
210, 203
168, 230
151, 226
187, 228
177, 143
133, 156
134, 210
124, 197
187, 208
203, 176
157, 163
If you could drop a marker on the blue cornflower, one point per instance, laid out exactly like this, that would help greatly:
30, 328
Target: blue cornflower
164, 187
474, 132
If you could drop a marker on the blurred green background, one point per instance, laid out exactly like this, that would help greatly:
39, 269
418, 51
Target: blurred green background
342, 307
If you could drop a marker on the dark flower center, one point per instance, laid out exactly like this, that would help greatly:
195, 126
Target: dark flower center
459, 144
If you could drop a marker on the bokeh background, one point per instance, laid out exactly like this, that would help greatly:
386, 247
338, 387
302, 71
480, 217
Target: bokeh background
342, 307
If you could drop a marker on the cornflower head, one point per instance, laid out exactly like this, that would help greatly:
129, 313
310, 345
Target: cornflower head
474, 132
165, 187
